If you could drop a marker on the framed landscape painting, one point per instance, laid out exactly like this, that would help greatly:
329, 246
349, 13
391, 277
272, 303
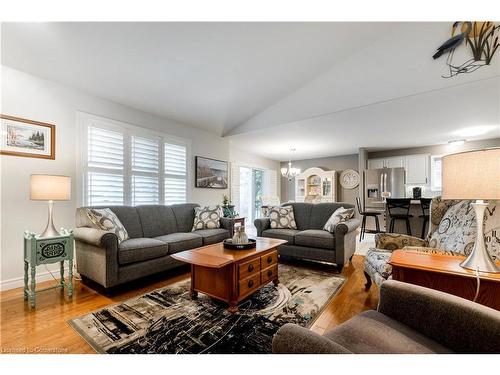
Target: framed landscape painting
21, 137
211, 173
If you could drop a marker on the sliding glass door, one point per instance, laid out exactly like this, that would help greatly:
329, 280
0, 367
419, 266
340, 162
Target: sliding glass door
251, 188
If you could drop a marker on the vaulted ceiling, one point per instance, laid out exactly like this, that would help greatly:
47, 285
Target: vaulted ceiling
323, 88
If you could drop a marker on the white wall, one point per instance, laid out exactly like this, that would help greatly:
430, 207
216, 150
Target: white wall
30, 97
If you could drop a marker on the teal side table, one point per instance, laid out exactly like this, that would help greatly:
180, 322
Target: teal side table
45, 250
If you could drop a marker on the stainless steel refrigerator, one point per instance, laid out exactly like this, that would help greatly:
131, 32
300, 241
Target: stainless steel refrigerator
379, 181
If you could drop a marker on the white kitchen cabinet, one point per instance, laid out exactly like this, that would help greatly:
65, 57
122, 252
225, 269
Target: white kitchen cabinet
391, 162
375, 163
417, 169
395, 162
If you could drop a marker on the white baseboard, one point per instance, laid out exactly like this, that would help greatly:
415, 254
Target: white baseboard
18, 282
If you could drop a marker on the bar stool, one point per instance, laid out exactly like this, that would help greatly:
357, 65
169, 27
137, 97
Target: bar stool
364, 213
399, 209
425, 204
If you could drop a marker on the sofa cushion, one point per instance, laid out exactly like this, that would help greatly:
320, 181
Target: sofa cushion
341, 214
282, 217
321, 212
184, 215
157, 220
301, 214
211, 236
181, 241
127, 215
282, 234
376, 333
207, 217
140, 249
315, 238
105, 219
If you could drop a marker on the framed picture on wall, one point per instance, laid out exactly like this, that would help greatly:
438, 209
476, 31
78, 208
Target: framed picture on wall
21, 137
211, 173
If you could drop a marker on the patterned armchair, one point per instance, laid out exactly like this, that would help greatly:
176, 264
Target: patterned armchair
451, 231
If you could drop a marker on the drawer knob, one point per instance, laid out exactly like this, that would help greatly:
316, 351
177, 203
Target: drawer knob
250, 267
250, 283
269, 259
269, 273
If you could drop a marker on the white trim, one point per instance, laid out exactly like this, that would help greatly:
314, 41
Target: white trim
18, 282
84, 120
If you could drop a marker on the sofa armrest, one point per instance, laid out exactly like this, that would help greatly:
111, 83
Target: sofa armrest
347, 226
395, 241
262, 224
459, 324
345, 241
294, 339
96, 237
227, 223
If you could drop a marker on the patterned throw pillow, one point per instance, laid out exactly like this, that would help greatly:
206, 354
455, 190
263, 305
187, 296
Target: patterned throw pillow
106, 219
341, 214
207, 217
282, 218
457, 231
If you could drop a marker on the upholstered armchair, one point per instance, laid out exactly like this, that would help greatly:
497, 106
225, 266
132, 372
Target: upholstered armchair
377, 267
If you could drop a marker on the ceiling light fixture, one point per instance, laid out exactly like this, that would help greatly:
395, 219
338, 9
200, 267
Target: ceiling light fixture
289, 172
457, 142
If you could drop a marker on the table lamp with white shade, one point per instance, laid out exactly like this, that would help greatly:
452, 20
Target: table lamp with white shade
50, 188
474, 175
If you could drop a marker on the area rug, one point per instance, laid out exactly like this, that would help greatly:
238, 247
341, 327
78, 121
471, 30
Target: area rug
168, 321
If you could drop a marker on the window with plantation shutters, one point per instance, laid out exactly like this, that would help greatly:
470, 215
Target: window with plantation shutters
175, 173
105, 167
126, 165
145, 171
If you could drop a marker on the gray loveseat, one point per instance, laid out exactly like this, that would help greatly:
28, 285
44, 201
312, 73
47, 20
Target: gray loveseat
309, 240
409, 319
155, 233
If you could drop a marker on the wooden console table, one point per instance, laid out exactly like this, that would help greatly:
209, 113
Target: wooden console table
443, 272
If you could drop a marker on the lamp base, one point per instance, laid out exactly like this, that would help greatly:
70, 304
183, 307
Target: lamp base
479, 259
50, 230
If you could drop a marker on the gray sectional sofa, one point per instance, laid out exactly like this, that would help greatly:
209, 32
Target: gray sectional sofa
155, 232
309, 240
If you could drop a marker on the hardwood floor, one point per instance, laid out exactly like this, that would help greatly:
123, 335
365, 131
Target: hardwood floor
45, 329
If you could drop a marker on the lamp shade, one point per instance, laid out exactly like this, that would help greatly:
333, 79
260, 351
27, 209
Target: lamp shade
50, 188
472, 175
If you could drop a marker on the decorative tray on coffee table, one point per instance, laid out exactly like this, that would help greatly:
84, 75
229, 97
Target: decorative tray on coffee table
228, 244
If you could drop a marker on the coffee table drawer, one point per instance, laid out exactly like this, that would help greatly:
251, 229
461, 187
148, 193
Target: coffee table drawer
269, 259
249, 268
249, 284
268, 274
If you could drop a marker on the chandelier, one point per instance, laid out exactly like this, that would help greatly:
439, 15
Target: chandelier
289, 172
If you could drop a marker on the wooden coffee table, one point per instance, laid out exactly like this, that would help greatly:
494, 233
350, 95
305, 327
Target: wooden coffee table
232, 275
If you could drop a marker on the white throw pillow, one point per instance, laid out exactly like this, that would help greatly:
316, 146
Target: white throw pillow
341, 214
105, 219
282, 217
207, 217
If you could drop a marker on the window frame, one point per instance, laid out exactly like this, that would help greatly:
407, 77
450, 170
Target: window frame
433, 186
86, 120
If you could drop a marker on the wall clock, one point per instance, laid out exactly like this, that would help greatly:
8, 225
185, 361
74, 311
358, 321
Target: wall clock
349, 179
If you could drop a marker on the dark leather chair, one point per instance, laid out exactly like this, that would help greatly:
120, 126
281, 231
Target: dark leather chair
425, 204
399, 209
366, 214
